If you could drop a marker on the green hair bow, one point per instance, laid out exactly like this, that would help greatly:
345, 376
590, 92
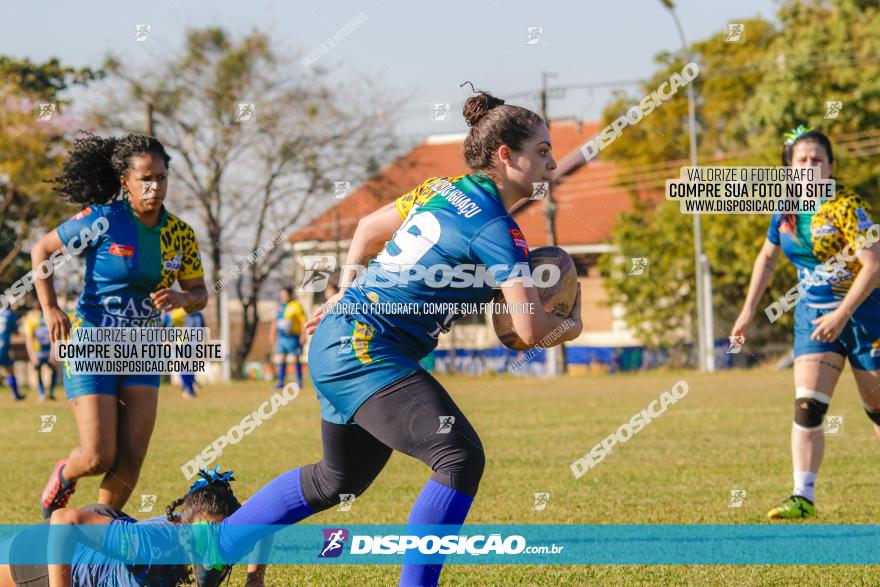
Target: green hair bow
793, 135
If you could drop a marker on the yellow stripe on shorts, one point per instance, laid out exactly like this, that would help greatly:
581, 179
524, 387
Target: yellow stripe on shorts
360, 341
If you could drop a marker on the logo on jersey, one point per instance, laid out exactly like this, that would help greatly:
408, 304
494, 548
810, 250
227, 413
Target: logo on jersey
826, 229
83, 213
864, 221
334, 541
875, 348
519, 240
121, 250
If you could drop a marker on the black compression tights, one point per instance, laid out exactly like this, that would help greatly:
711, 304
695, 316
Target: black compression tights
405, 416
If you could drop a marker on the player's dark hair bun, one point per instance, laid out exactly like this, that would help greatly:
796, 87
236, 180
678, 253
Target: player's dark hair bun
476, 107
494, 123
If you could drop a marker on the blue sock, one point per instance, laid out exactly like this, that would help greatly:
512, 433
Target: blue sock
40, 388
282, 372
299, 373
436, 504
280, 502
186, 381
13, 385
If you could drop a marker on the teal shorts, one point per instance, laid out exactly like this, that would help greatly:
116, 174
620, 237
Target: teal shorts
349, 362
76, 384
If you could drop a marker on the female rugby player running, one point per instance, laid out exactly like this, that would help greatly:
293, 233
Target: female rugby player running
374, 396
130, 269
837, 318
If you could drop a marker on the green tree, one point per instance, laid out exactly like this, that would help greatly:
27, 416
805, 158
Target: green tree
31, 152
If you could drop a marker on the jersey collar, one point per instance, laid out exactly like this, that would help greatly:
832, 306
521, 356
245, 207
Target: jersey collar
159, 226
485, 182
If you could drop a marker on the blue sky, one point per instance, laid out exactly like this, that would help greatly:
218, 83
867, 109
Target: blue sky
422, 51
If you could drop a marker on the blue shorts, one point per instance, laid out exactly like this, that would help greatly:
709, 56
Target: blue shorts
859, 340
76, 384
288, 345
348, 363
5, 356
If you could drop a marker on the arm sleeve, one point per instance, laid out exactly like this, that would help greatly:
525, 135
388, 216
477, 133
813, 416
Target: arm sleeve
415, 197
500, 242
773, 230
69, 232
853, 219
191, 264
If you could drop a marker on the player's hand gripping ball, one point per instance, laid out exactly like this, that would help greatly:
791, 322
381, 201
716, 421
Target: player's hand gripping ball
557, 298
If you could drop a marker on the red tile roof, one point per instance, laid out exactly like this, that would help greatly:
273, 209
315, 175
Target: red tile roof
587, 204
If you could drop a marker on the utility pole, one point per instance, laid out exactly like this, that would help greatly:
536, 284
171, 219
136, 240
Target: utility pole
556, 356
702, 270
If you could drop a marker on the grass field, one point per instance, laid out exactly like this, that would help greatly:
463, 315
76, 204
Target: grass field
730, 432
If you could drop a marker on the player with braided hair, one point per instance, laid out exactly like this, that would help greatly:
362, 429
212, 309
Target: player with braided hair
209, 500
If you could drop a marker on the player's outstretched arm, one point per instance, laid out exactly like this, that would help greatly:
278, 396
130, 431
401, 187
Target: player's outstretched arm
762, 273
533, 327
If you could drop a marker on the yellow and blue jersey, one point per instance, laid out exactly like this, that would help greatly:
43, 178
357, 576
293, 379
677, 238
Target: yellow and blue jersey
35, 325
129, 261
814, 238
452, 222
455, 222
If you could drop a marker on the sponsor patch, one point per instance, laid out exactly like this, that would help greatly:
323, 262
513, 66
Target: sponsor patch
87, 211
172, 264
826, 229
121, 250
519, 240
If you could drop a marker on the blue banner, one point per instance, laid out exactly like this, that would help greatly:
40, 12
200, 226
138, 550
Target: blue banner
699, 544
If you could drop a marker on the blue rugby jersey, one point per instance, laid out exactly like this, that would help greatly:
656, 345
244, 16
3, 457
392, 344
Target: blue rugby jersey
128, 262
448, 222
